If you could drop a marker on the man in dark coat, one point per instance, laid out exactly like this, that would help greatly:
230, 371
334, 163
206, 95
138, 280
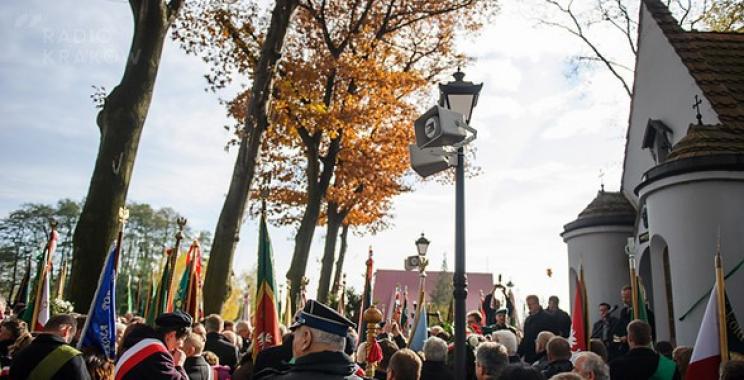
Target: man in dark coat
604, 328
277, 357
561, 320
49, 356
559, 357
217, 343
195, 365
641, 362
318, 346
155, 354
537, 321
434, 367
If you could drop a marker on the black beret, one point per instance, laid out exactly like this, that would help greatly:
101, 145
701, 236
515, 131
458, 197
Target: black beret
176, 319
321, 317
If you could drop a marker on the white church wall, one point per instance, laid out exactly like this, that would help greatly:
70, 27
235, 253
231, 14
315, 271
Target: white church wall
663, 90
686, 212
601, 249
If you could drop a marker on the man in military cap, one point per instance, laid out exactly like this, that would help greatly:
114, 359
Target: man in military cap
501, 322
156, 353
319, 339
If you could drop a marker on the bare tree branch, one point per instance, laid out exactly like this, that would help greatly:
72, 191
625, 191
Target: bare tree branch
577, 30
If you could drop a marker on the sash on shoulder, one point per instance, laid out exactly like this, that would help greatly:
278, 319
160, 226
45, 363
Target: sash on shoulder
136, 354
665, 369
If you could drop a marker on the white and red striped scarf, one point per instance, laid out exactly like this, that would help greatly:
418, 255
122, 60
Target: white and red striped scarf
136, 354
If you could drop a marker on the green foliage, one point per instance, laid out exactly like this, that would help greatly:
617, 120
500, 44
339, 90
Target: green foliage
441, 297
24, 233
353, 303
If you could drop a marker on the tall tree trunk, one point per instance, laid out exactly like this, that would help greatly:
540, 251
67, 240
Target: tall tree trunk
227, 231
120, 122
318, 181
341, 256
329, 254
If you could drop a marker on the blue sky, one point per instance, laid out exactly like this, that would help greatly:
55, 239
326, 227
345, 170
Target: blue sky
544, 135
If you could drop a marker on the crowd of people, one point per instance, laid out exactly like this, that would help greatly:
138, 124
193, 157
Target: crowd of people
323, 344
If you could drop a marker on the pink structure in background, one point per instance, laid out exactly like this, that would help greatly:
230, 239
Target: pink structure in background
386, 279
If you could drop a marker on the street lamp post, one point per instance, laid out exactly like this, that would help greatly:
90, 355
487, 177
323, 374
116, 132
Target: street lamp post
460, 96
419, 261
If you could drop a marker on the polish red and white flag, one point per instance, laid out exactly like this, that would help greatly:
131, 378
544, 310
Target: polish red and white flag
706, 356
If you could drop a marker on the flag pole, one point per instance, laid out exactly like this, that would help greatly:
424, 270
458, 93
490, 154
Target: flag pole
633, 286
123, 217
48, 251
721, 296
181, 222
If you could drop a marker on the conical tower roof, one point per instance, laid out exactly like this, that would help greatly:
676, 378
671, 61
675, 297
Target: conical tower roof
609, 208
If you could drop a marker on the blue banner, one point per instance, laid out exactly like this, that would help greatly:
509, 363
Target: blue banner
422, 328
100, 327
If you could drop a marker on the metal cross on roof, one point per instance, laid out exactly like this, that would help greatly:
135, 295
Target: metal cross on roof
696, 107
601, 179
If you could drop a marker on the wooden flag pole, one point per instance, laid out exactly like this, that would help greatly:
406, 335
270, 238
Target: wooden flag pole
633, 286
721, 296
123, 217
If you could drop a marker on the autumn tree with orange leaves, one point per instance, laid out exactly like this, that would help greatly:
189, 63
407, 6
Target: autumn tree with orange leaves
348, 68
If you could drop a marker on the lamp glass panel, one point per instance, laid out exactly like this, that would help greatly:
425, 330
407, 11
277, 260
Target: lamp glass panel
461, 104
422, 248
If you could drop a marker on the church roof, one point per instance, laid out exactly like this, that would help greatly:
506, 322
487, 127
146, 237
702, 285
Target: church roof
708, 140
715, 61
609, 208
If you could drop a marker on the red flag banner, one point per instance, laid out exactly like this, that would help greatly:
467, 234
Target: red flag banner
579, 326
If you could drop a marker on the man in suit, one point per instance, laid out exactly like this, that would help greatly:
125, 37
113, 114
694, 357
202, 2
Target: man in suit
641, 362
605, 326
217, 343
195, 365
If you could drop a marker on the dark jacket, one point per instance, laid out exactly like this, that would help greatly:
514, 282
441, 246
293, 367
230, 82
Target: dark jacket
638, 364
197, 368
533, 325
604, 329
558, 366
326, 365
542, 361
435, 371
276, 357
4, 354
380, 374
220, 346
561, 322
27, 359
